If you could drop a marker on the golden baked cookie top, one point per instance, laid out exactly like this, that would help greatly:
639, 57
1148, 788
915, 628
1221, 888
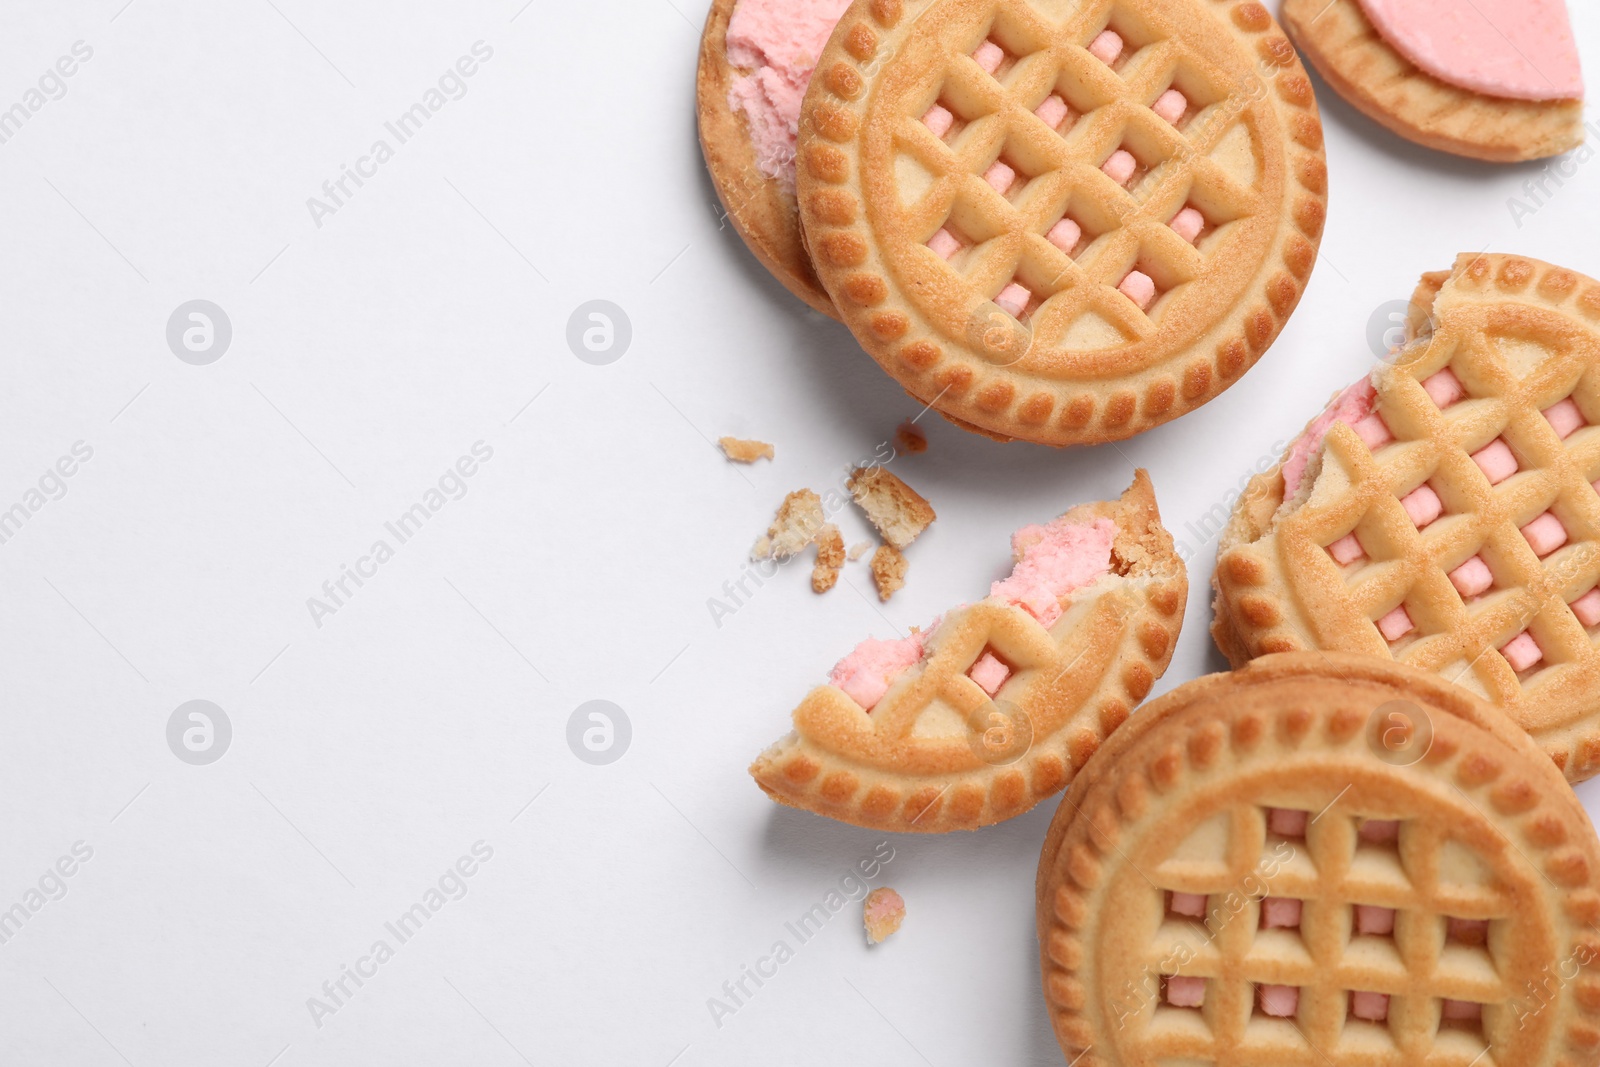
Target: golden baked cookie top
1062, 220
1321, 860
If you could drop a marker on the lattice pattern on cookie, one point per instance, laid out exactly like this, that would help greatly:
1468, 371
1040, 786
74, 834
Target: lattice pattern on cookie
1496, 419
1245, 876
1343, 933
1037, 143
1058, 218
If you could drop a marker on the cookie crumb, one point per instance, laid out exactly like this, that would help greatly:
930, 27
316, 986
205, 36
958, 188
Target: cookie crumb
910, 438
830, 557
882, 912
898, 511
859, 549
888, 570
741, 451
798, 522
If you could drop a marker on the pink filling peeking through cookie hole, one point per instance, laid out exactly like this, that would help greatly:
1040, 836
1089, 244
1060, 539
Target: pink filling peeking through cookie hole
1545, 534
1139, 287
1065, 235
990, 56
990, 672
1184, 991
1587, 608
1056, 113
945, 243
1280, 913
939, 120
1460, 1011
1171, 106
1472, 932
1278, 1001
1396, 624
1346, 550
1443, 388
1472, 578
1014, 300
1379, 831
1371, 1007
1188, 223
1373, 921
1522, 652
1001, 176
1422, 505
1187, 905
1373, 431
1287, 822
1121, 166
1496, 461
1564, 418
1108, 47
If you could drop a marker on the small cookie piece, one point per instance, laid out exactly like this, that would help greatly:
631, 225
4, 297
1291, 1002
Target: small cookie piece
1452, 510
796, 525
902, 737
830, 557
1400, 845
1496, 80
859, 549
741, 451
882, 912
898, 511
910, 438
888, 570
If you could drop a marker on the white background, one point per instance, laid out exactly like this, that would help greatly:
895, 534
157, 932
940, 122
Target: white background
371, 752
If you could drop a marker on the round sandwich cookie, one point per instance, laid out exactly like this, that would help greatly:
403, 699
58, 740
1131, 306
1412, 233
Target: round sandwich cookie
995, 705
1324, 860
1445, 510
1497, 80
756, 59
1062, 221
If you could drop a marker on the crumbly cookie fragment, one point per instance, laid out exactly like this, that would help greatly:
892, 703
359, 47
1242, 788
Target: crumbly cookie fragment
859, 549
830, 557
742, 451
908, 437
888, 570
882, 912
898, 511
796, 525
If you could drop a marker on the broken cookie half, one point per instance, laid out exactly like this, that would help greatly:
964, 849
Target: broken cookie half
998, 703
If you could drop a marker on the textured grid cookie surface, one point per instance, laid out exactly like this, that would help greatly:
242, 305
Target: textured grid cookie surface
1348, 51
979, 187
937, 753
1247, 873
1521, 338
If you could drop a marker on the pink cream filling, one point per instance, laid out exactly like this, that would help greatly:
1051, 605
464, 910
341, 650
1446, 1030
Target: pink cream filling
866, 673
1512, 49
1373, 1007
1352, 407
1280, 913
1053, 560
778, 41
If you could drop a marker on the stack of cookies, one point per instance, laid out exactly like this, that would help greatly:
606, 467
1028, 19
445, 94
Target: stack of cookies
1061, 221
